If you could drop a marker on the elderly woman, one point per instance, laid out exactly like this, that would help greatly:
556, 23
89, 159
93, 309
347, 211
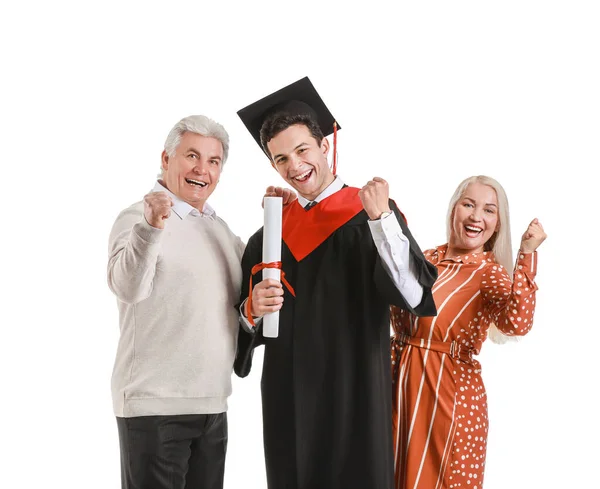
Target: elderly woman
440, 408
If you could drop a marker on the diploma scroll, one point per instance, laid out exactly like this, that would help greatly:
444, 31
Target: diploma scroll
272, 253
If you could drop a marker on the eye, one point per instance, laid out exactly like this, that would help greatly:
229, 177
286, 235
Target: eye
280, 161
193, 156
490, 211
467, 204
215, 162
302, 150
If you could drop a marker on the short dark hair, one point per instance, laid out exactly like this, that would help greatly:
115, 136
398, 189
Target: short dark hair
280, 121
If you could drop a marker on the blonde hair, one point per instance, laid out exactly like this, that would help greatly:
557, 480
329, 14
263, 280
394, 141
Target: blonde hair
499, 243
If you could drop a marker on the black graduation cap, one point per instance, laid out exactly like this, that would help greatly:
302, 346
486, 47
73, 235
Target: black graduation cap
298, 98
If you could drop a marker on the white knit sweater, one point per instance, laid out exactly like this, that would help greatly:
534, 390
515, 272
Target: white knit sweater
176, 291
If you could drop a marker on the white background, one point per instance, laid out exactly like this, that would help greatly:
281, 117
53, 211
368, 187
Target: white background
427, 94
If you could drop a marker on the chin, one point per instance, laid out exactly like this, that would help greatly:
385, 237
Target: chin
472, 245
297, 188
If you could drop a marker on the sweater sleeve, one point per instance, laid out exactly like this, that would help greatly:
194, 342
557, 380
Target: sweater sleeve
133, 247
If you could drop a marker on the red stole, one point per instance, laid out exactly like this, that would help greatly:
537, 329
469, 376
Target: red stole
303, 231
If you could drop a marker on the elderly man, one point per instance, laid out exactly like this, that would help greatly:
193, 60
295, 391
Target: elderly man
174, 266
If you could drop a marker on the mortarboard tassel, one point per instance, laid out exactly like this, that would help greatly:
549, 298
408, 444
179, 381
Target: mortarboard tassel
334, 147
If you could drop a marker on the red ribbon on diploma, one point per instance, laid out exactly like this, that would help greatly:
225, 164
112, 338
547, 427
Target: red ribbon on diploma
254, 271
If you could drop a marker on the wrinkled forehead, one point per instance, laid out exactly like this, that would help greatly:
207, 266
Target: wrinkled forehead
202, 145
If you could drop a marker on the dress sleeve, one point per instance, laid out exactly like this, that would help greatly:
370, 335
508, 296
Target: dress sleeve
511, 304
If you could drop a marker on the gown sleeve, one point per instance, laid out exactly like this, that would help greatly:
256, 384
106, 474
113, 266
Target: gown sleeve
511, 304
248, 341
426, 275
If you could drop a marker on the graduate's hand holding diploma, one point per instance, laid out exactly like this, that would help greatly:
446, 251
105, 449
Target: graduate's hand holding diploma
375, 197
267, 297
157, 208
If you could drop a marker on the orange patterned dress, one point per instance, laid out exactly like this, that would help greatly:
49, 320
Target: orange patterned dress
440, 409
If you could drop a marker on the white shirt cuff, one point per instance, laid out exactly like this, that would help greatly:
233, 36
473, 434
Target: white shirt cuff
244, 320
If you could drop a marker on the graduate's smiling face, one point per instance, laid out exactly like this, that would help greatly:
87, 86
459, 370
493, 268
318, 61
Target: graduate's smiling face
301, 161
475, 219
192, 173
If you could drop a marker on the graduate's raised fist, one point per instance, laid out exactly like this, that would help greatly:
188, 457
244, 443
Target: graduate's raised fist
267, 296
288, 196
375, 197
533, 236
157, 208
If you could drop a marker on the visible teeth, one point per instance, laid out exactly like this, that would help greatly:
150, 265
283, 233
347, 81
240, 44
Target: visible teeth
196, 182
300, 177
472, 228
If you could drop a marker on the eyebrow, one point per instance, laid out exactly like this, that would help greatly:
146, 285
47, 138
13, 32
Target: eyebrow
193, 150
473, 200
281, 154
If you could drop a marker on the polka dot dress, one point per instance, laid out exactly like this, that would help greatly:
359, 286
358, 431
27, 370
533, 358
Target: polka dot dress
440, 406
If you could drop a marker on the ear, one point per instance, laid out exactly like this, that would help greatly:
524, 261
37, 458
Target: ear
268, 153
325, 147
164, 161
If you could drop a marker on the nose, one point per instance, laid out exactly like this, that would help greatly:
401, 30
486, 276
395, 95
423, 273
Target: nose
294, 162
476, 214
201, 166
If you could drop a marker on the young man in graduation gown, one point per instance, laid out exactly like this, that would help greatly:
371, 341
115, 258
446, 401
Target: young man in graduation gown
347, 254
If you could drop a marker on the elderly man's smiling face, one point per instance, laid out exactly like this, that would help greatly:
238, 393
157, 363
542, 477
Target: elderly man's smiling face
193, 172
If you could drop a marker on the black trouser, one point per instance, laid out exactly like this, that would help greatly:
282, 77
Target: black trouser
173, 452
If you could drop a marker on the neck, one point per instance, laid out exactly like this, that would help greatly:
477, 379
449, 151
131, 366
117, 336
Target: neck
197, 205
328, 181
455, 251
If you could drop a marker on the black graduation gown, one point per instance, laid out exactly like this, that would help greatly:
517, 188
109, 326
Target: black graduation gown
326, 382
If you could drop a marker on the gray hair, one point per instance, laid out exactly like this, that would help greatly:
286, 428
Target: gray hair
499, 243
198, 124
